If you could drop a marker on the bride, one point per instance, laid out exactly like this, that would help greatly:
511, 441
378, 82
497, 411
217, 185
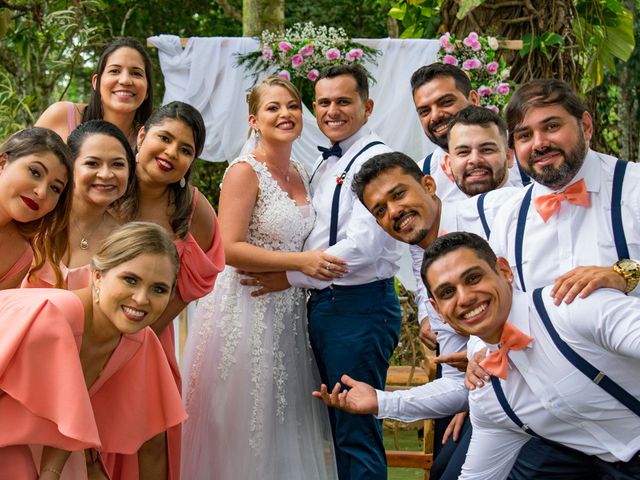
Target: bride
248, 364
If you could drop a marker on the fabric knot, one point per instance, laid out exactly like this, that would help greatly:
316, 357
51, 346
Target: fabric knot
497, 362
576, 193
334, 151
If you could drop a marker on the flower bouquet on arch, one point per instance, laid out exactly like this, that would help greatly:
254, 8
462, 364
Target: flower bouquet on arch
301, 52
477, 56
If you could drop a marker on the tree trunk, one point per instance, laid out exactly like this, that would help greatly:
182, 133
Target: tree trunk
259, 15
512, 20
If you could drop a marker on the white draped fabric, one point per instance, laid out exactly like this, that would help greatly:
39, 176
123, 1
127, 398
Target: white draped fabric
204, 74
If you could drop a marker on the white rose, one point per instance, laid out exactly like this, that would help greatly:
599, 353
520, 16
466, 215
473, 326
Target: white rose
493, 43
504, 75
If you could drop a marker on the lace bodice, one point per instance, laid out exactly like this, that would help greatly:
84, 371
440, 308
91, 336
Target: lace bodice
277, 223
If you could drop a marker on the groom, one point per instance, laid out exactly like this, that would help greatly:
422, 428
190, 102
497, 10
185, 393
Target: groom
354, 321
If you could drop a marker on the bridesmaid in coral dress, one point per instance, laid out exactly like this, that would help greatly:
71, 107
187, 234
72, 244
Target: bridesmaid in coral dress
35, 169
119, 391
168, 144
103, 175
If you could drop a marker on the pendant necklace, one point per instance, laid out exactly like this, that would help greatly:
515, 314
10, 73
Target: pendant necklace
284, 175
84, 239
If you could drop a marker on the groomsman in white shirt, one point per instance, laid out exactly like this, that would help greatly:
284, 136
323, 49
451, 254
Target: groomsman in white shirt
406, 205
566, 373
439, 92
354, 322
577, 225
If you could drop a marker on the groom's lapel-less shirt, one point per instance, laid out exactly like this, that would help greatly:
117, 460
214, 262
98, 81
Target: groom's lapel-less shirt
371, 253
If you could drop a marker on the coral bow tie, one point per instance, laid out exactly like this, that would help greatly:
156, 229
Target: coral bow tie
576, 193
497, 361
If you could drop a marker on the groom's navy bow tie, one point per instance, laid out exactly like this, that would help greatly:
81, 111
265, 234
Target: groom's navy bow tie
335, 150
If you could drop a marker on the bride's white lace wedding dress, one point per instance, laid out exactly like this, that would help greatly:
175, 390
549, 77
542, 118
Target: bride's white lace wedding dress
249, 370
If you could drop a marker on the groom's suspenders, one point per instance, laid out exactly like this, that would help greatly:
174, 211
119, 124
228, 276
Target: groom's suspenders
335, 205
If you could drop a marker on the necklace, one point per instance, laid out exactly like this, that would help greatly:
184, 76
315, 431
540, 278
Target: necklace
84, 239
284, 175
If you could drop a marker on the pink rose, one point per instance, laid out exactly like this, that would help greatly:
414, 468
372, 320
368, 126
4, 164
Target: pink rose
492, 68
267, 53
472, 41
484, 91
450, 60
313, 75
284, 74
503, 89
493, 108
306, 51
445, 42
285, 46
471, 64
297, 60
333, 54
353, 54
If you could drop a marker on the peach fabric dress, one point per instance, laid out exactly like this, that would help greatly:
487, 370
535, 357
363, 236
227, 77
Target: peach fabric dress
196, 278
22, 262
43, 396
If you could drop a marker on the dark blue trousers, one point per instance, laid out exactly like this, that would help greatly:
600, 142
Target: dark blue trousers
450, 457
354, 330
539, 459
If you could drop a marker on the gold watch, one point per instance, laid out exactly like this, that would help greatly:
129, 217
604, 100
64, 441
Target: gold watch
630, 271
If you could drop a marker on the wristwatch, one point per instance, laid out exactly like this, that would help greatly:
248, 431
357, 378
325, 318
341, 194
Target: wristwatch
630, 271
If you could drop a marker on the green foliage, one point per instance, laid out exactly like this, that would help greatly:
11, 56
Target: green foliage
360, 19
540, 42
418, 18
604, 32
466, 6
43, 44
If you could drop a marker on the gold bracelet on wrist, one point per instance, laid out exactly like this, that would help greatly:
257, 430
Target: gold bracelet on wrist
52, 470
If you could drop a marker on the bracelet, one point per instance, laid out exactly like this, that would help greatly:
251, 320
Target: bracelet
52, 470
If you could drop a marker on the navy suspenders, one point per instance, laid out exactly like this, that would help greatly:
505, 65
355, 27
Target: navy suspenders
596, 376
426, 166
522, 220
335, 205
616, 210
504, 403
526, 179
616, 220
483, 217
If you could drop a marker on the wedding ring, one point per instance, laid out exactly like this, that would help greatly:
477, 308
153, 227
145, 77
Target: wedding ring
258, 282
328, 266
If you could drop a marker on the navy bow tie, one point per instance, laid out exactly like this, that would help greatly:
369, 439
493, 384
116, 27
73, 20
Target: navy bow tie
335, 150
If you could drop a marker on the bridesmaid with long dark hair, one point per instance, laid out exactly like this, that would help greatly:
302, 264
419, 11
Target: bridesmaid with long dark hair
122, 93
35, 196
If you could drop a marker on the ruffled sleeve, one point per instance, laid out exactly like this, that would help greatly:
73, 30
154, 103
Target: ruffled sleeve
135, 397
45, 399
199, 269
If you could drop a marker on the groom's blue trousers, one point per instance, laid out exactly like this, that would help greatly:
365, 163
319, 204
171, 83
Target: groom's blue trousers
354, 330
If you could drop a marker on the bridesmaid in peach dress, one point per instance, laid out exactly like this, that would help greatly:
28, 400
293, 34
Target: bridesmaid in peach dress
167, 147
119, 391
103, 174
35, 171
